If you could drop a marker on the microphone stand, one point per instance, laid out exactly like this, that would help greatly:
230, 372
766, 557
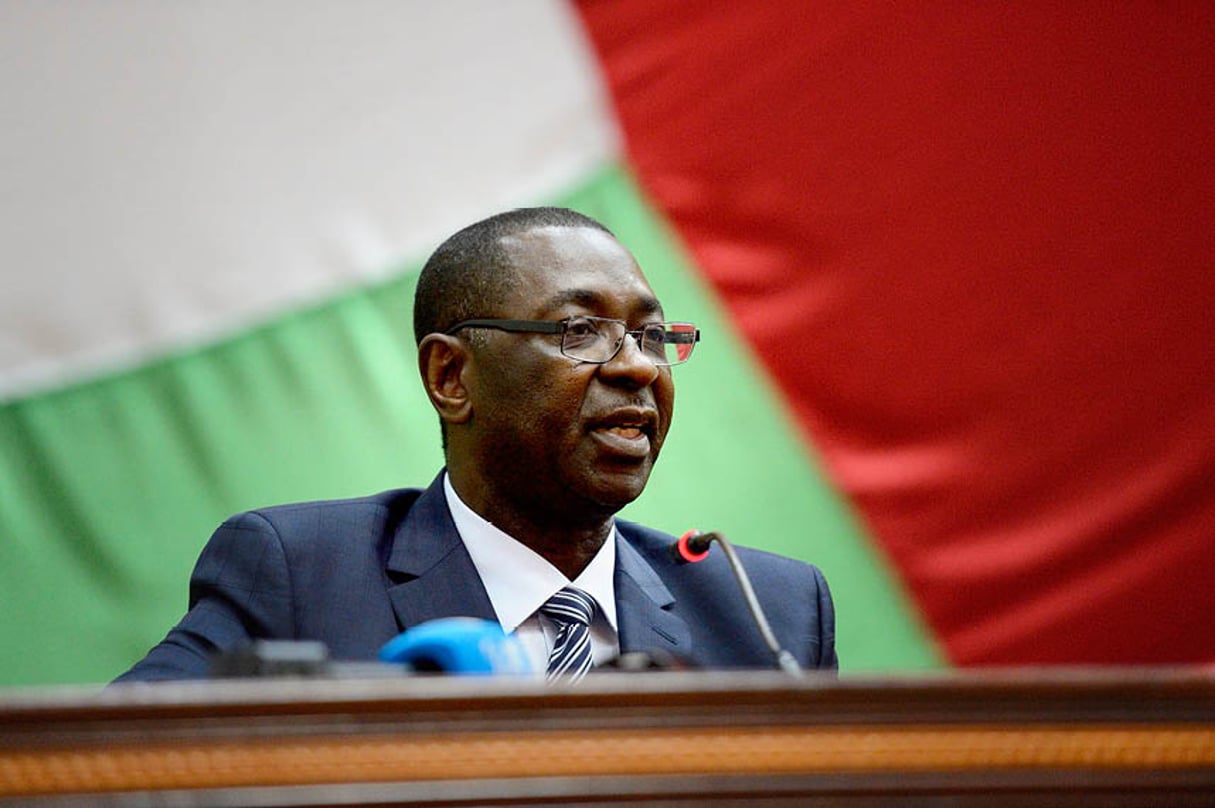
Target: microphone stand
784, 660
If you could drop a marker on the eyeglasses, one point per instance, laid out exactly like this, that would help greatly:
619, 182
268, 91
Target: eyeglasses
598, 339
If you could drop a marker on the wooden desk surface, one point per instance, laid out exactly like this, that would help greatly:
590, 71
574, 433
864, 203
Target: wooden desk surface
1033, 737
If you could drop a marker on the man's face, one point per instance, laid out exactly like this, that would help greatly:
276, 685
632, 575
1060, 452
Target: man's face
562, 439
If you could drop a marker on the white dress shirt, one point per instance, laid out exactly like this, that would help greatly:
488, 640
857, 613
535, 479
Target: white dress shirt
518, 581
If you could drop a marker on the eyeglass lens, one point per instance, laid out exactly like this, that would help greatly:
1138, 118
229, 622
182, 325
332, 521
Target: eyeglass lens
591, 339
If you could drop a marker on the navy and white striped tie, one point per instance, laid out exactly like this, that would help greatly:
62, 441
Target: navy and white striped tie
571, 609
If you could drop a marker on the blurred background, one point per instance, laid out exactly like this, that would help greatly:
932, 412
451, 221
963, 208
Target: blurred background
954, 264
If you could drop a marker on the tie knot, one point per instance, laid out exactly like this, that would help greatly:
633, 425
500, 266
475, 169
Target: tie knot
570, 606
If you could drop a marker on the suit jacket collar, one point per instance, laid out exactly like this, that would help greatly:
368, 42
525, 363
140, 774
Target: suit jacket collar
433, 576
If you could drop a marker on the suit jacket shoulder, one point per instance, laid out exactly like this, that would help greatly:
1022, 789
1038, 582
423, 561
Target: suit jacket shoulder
310, 570
707, 598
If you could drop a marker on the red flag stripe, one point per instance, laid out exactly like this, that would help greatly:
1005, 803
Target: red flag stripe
974, 247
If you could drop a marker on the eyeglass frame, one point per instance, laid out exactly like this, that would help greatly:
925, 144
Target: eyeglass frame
561, 326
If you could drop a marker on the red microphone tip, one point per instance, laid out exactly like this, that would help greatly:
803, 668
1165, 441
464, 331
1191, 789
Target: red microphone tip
685, 551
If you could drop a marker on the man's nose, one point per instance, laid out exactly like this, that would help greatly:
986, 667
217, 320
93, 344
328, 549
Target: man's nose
632, 362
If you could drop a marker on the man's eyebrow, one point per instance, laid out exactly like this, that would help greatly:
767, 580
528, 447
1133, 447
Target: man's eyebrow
588, 299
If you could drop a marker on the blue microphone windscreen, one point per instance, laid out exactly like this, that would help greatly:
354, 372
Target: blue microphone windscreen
461, 645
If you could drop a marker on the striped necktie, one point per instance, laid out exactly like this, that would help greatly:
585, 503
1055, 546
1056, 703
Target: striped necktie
571, 609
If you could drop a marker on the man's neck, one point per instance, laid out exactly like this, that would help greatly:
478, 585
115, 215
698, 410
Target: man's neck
568, 544
567, 550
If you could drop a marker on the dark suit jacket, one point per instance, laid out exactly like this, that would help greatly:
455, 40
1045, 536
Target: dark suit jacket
355, 573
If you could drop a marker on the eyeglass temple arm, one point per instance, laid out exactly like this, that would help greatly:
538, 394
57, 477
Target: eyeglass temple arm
518, 326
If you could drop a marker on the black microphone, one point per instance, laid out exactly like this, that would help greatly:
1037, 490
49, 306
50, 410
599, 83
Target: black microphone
694, 546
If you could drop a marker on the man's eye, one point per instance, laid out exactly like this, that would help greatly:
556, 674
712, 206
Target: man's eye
581, 328
582, 333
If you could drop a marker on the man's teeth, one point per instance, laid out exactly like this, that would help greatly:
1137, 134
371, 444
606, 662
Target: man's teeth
626, 431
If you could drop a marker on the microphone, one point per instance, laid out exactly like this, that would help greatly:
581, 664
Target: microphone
693, 546
458, 645
258, 659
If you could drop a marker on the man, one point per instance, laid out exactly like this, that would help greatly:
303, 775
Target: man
545, 353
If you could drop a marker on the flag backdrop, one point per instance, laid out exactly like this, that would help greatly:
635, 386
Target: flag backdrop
953, 266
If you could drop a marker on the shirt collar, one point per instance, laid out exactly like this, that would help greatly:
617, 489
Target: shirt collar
519, 580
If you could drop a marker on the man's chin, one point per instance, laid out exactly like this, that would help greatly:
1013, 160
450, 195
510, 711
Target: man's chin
615, 489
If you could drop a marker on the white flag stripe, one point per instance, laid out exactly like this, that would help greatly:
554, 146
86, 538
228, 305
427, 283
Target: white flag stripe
177, 171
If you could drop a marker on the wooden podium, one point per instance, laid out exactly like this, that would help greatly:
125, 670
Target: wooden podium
1032, 738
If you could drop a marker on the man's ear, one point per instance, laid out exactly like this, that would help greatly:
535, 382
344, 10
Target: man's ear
444, 363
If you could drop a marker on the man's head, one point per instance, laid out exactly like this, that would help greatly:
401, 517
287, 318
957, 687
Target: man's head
471, 272
529, 430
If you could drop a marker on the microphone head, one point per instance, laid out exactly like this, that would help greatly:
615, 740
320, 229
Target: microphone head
692, 546
652, 660
458, 645
270, 658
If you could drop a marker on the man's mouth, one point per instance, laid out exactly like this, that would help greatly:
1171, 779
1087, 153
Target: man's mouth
627, 433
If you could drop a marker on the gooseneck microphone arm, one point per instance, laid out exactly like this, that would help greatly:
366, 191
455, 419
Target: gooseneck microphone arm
694, 546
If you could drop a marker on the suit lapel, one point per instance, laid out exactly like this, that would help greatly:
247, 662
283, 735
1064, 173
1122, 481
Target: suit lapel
433, 576
642, 603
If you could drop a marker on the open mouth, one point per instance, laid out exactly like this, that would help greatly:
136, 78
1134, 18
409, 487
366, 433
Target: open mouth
627, 433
